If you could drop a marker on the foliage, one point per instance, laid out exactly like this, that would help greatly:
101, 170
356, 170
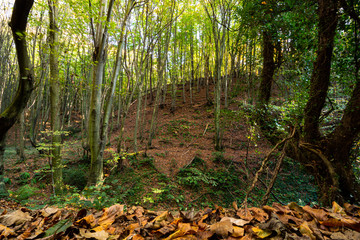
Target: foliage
24, 192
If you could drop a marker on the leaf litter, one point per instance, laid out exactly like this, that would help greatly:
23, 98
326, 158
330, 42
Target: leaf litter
290, 222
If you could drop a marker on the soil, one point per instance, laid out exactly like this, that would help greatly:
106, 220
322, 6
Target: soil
181, 135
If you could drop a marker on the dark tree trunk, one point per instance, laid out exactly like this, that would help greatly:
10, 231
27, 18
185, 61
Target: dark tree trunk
320, 78
329, 158
268, 70
11, 114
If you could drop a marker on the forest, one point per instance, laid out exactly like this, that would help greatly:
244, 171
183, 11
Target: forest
179, 104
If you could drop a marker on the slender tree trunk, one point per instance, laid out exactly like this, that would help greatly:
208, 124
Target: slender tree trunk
56, 163
161, 70
174, 74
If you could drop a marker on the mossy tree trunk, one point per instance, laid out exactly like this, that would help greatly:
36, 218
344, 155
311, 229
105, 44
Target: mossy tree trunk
56, 163
11, 114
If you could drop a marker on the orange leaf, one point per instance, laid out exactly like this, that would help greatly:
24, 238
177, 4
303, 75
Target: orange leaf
319, 214
86, 222
5, 231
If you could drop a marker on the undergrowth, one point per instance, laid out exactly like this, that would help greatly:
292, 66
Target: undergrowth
194, 186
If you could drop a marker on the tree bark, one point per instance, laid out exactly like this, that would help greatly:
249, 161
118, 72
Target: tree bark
320, 78
95, 141
11, 114
268, 70
329, 158
56, 162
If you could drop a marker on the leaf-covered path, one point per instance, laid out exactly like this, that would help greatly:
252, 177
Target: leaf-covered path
118, 222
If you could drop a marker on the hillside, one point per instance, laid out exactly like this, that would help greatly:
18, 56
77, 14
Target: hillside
181, 169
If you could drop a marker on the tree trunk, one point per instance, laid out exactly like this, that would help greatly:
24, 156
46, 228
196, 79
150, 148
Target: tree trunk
11, 114
328, 158
320, 78
56, 163
268, 70
95, 113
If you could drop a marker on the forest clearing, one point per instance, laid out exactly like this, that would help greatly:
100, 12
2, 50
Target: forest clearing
179, 119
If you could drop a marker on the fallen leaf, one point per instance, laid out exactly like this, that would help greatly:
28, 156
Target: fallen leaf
170, 227
238, 232
15, 218
274, 224
86, 222
137, 237
109, 215
49, 211
5, 232
235, 221
187, 237
223, 228
337, 209
305, 230
85, 233
319, 214
253, 213
261, 233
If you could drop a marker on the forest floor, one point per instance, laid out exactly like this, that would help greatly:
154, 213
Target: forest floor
181, 169
182, 187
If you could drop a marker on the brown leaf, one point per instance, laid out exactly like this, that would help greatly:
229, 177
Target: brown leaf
86, 222
223, 228
305, 230
352, 210
15, 218
253, 213
5, 232
337, 209
101, 235
137, 237
235, 206
319, 214
204, 234
169, 228
187, 237
109, 215
245, 214
160, 221
235, 221
27, 233
343, 222
238, 232
288, 219
48, 211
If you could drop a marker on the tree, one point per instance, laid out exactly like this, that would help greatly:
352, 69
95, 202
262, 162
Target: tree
331, 153
220, 15
11, 114
327, 156
56, 165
